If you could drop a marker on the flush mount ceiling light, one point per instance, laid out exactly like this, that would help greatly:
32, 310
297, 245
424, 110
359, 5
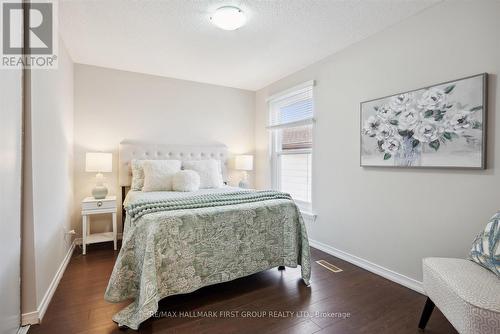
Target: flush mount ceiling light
228, 18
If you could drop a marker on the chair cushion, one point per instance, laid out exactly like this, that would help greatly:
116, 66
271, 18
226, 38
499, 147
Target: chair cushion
486, 247
466, 293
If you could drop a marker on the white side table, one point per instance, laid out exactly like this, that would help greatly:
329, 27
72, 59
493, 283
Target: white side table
92, 206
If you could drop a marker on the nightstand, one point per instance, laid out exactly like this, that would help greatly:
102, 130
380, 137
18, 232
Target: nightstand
92, 206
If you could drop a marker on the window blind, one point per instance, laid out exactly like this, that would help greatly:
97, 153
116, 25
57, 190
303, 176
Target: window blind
294, 138
292, 109
291, 124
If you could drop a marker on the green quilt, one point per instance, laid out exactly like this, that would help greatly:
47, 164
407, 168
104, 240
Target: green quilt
178, 246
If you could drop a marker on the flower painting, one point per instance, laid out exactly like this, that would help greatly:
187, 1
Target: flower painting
439, 126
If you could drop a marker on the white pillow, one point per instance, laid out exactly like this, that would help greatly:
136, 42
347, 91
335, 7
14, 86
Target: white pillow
137, 174
158, 174
186, 180
209, 171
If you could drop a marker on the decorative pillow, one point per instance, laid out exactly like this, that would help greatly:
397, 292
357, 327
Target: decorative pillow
158, 174
486, 247
186, 180
209, 171
137, 174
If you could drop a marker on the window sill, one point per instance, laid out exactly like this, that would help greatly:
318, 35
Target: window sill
309, 216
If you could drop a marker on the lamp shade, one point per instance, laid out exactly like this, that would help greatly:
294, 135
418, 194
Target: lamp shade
99, 162
244, 162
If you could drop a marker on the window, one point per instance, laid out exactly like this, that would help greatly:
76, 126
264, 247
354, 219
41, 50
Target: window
291, 126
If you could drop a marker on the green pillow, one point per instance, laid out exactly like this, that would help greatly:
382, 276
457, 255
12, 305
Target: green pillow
486, 247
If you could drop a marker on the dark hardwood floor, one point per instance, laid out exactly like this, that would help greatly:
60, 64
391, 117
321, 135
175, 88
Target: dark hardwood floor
375, 304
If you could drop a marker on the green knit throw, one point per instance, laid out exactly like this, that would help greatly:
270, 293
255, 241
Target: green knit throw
139, 209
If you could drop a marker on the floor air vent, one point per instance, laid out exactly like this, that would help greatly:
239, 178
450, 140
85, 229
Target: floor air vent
329, 266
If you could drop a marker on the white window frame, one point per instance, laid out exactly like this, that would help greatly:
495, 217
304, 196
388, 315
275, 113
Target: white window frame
275, 145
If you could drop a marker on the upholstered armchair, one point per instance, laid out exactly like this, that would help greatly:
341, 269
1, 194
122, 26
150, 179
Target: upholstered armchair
465, 292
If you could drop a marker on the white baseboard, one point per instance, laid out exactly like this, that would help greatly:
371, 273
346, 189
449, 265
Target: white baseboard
23, 329
370, 266
36, 317
42, 308
29, 318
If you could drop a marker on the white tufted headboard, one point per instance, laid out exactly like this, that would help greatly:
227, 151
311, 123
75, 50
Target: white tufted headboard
129, 151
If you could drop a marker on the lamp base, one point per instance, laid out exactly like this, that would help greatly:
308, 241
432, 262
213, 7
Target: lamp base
243, 184
100, 192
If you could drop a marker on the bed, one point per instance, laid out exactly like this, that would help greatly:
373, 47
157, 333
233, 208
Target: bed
177, 242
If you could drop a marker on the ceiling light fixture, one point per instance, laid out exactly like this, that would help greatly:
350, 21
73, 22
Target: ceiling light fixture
228, 18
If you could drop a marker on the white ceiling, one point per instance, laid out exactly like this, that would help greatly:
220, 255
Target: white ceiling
174, 38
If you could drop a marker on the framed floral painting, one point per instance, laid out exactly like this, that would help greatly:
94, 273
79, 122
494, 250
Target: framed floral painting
438, 126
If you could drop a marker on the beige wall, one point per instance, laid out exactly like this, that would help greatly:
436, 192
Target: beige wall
395, 217
10, 197
48, 179
113, 105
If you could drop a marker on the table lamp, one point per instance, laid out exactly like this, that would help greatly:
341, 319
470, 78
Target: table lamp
99, 163
245, 163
